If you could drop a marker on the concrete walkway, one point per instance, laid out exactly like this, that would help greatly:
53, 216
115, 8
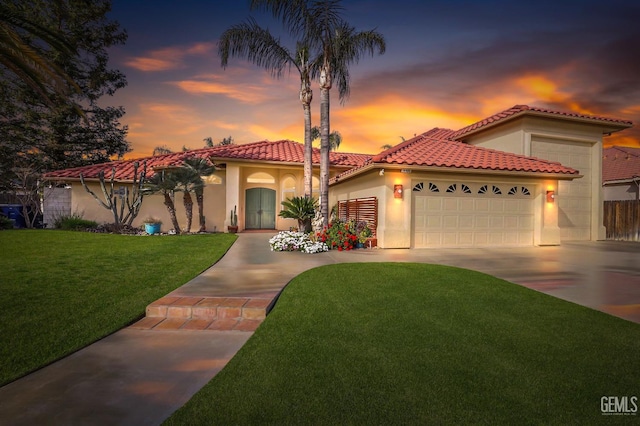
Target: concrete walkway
140, 377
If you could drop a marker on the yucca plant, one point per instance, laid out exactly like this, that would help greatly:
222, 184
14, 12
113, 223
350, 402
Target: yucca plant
302, 209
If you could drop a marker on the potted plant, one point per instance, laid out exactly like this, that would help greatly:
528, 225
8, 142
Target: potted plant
364, 234
233, 228
152, 225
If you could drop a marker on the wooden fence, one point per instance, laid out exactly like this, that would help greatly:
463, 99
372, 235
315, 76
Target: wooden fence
622, 220
360, 209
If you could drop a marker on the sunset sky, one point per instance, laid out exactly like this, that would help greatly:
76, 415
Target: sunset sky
448, 64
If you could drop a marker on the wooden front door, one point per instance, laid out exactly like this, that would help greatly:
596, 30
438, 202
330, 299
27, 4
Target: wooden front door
260, 208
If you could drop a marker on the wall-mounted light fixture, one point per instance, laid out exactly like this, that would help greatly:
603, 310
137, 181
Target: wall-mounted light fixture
397, 191
551, 196
381, 172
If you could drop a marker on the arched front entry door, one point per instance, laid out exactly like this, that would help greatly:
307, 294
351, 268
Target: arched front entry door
260, 208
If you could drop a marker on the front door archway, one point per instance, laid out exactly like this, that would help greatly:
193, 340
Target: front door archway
260, 208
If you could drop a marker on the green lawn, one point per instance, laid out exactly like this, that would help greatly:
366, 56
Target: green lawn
421, 344
62, 290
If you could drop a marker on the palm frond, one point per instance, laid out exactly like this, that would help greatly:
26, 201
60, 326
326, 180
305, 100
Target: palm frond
250, 41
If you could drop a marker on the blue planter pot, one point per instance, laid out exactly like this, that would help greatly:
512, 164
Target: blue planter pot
152, 228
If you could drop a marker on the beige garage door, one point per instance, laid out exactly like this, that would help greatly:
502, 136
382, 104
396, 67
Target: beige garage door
472, 214
574, 197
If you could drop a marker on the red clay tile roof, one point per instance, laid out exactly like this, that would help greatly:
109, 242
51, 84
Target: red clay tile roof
285, 151
620, 163
519, 110
278, 151
433, 149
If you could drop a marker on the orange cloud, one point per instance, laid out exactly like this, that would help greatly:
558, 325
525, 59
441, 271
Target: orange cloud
243, 93
168, 58
388, 119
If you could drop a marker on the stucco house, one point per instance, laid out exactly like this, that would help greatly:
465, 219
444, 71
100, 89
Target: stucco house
621, 173
525, 176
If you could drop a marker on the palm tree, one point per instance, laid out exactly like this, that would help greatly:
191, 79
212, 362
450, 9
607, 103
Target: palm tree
161, 150
335, 138
164, 182
187, 181
20, 55
201, 167
249, 40
339, 45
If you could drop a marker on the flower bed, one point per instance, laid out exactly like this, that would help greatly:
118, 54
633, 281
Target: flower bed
296, 241
339, 236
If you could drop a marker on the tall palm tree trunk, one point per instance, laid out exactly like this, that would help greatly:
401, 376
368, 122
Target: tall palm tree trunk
325, 87
188, 208
308, 149
200, 201
172, 212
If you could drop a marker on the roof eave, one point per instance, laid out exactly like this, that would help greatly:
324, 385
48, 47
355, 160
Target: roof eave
273, 162
465, 170
635, 179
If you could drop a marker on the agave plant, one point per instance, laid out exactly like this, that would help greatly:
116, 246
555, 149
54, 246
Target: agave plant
302, 209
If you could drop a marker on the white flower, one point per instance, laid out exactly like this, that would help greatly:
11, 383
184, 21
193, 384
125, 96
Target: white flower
296, 241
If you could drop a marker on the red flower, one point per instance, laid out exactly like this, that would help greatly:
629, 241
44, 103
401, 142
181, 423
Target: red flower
339, 248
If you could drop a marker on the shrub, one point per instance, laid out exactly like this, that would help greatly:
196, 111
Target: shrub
73, 222
339, 236
5, 223
78, 224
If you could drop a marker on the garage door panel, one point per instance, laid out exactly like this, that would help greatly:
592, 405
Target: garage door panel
465, 238
450, 239
511, 222
495, 238
511, 238
480, 205
433, 222
482, 222
496, 206
465, 221
450, 222
525, 222
496, 222
466, 204
512, 206
480, 239
450, 204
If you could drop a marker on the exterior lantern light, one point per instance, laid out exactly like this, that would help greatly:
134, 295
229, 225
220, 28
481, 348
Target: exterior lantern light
551, 196
397, 191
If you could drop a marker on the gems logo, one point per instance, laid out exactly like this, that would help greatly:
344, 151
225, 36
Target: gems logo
619, 405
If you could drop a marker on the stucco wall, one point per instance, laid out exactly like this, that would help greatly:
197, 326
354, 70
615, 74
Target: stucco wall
153, 205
